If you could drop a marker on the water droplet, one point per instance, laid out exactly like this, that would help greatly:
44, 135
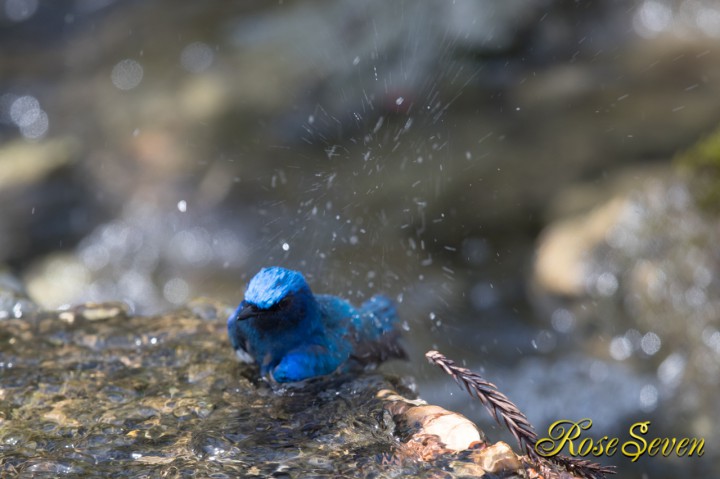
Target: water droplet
620, 348
399, 100
708, 19
37, 128
285, 247
176, 291
650, 343
127, 74
648, 397
711, 337
197, 57
652, 18
25, 110
606, 284
562, 320
671, 371
182, 206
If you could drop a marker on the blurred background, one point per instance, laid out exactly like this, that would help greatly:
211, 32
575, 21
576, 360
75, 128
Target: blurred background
523, 177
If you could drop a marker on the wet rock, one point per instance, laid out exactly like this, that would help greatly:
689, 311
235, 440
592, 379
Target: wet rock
95, 388
455, 431
58, 280
498, 458
563, 249
428, 431
433, 435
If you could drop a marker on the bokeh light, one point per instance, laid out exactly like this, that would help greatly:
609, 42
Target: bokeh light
127, 74
197, 57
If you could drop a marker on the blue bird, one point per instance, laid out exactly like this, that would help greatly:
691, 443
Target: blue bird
295, 335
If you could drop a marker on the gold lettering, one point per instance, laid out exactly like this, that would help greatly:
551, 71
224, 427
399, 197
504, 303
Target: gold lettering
586, 446
602, 448
559, 436
654, 446
699, 444
566, 433
681, 448
634, 449
612, 447
598, 450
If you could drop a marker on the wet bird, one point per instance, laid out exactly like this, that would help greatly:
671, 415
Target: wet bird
294, 334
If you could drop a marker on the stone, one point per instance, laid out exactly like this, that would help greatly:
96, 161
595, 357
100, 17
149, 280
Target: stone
158, 394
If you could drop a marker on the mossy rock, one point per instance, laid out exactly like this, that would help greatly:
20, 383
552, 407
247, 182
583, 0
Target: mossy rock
701, 163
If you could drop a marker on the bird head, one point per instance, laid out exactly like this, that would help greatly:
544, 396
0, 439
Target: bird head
277, 301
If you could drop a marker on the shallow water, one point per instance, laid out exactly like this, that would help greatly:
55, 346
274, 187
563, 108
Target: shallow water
119, 396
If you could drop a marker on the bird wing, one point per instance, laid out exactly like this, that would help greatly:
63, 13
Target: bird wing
372, 329
387, 346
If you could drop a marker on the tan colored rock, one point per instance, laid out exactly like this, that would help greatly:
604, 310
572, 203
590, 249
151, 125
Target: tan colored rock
430, 430
454, 430
23, 163
57, 280
565, 245
497, 458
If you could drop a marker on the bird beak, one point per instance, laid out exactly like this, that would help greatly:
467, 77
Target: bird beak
248, 311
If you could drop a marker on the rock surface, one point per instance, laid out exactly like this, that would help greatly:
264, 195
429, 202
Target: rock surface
95, 391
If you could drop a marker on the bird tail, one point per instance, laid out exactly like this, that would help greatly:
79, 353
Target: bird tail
380, 337
382, 311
